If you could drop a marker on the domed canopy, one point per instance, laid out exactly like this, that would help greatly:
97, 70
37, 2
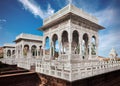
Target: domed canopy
113, 53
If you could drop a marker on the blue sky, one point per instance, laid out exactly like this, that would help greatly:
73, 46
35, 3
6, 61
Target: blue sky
25, 16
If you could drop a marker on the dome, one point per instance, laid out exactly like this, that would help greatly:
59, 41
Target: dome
113, 53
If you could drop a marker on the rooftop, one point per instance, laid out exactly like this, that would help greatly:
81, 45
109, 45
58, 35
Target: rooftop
9, 45
28, 37
66, 13
70, 8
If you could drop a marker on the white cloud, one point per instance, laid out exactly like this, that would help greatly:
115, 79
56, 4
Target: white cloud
107, 41
49, 12
110, 37
107, 16
35, 9
2, 20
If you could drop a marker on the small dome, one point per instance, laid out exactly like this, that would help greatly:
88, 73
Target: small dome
113, 53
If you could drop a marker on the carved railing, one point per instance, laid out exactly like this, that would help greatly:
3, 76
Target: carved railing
63, 57
66, 70
53, 69
24, 64
76, 71
47, 57
10, 61
76, 57
93, 56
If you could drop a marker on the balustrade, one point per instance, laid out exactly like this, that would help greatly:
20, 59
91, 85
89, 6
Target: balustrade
77, 71
63, 57
76, 57
67, 71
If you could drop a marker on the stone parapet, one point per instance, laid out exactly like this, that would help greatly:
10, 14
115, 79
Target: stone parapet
70, 8
29, 36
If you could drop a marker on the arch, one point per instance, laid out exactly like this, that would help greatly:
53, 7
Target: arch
25, 49
64, 37
47, 46
8, 52
65, 45
75, 42
85, 47
55, 47
93, 45
34, 50
13, 52
40, 51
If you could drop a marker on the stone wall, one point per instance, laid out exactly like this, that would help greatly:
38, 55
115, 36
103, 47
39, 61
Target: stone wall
34, 79
108, 79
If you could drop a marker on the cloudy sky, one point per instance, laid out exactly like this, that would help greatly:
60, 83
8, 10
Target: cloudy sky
25, 16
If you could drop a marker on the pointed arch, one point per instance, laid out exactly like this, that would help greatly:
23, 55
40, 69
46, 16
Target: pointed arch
9, 53
47, 46
65, 45
25, 49
75, 42
93, 45
34, 50
13, 52
55, 47
40, 51
85, 47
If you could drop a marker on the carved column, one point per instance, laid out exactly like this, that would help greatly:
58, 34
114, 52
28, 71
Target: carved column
36, 53
70, 43
97, 43
44, 39
16, 52
90, 56
22, 49
80, 43
29, 54
53, 49
50, 53
59, 43
5, 53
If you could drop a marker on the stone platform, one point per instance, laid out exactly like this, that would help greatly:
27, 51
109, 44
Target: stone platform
107, 79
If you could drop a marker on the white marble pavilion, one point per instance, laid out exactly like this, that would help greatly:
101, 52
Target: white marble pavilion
68, 49
9, 50
28, 46
76, 33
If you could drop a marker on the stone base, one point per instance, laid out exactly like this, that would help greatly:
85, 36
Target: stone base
108, 79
